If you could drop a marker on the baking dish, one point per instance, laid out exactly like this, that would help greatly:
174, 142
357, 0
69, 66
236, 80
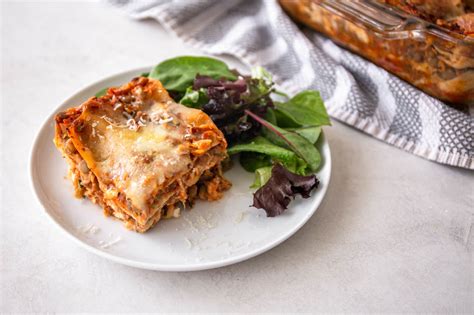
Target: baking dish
437, 60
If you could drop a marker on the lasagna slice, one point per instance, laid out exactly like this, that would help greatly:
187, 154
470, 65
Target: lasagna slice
140, 155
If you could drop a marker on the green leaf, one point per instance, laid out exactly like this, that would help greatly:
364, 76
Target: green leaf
270, 116
262, 74
262, 175
306, 109
298, 144
251, 161
193, 98
281, 93
145, 74
177, 74
260, 86
101, 92
311, 133
284, 120
261, 145
291, 140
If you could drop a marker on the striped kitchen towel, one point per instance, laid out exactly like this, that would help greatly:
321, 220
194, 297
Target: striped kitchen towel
355, 91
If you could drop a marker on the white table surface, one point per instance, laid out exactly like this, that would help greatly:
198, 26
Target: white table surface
395, 232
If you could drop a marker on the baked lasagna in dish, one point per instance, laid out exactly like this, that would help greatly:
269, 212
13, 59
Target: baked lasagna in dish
455, 15
428, 43
141, 156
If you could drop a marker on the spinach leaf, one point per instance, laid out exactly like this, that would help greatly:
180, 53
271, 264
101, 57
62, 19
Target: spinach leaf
262, 175
261, 145
193, 98
251, 161
306, 109
270, 116
177, 74
311, 133
291, 140
285, 120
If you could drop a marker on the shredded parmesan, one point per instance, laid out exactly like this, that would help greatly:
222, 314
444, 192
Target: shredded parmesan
105, 245
90, 229
132, 124
188, 241
160, 117
141, 120
240, 217
164, 121
112, 123
193, 228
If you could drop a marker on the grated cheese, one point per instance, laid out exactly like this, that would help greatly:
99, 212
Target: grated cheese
112, 123
188, 241
164, 121
132, 124
105, 245
90, 229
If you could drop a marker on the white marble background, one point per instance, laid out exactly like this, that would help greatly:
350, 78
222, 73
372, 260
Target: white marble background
394, 234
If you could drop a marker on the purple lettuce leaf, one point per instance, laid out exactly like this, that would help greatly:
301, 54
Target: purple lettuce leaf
281, 188
227, 102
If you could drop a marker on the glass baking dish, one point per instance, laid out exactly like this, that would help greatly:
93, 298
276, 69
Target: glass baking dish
434, 59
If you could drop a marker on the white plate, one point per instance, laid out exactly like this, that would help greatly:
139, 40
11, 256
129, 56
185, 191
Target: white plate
211, 235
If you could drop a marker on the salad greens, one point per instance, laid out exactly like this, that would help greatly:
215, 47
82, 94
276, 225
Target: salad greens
290, 140
177, 74
252, 161
274, 139
281, 188
262, 175
271, 151
311, 133
305, 109
193, 98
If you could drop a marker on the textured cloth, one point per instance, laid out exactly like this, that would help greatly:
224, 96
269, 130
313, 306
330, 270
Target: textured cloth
355, 91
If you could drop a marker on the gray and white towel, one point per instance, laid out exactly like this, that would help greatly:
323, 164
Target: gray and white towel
355, 91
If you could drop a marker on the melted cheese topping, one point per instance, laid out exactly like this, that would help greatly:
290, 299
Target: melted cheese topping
140, 161
137, 157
